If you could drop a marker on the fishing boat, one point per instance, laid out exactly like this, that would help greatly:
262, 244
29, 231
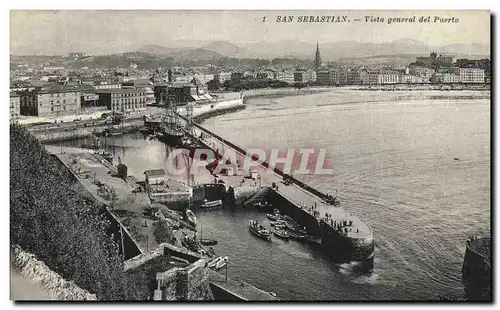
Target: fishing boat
212, 204
221, 263
214, 262
207, 241
295, 236
262, 205
259, 230
191, 217
282, 234
272, 217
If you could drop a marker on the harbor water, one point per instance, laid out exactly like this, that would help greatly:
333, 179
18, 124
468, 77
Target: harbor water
414, 165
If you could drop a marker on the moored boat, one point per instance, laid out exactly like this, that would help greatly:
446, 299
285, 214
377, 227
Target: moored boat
272, 217
259, 230
212, 204
191, 217
214, 262
262, 205
282, 234
294, 235
221, 263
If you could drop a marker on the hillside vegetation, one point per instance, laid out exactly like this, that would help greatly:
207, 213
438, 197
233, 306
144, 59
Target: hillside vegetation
49, 219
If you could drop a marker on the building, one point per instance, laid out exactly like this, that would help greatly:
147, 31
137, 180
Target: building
223, 76
106, 85
353, 77
412, 79
180, 93
50, 102
285, 76
122, 99
369, 77
302, 77
470, 75
323, 77
15, 107
236, 77
338, 76
160, 93
89, 99
388, 77
435, 60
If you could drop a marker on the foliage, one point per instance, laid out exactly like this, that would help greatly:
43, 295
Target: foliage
51, 220
253, 84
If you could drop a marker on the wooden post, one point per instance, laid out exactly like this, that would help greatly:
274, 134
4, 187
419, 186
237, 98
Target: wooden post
226, 268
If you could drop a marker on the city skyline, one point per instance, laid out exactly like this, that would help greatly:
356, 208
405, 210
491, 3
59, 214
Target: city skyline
109, 32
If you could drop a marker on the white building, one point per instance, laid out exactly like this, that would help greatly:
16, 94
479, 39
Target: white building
471, 75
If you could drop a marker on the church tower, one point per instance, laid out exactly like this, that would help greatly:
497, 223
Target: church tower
317, 60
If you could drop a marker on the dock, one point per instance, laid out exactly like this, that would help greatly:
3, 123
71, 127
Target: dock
97, 177
344, 235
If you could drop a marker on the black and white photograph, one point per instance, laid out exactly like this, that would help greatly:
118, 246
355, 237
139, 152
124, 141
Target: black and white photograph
250, 155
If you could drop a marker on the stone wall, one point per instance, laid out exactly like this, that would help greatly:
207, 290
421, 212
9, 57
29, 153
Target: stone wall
58, 288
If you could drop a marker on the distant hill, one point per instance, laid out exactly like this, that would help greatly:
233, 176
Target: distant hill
330, 51
227, 49
158, 50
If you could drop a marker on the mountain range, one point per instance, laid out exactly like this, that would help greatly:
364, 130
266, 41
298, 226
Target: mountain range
330, 51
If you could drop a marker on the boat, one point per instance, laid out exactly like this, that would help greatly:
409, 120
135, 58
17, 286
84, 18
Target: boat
207, 241
212, 204
191, 217
259, 230
221, 263
272, 217
106, 155
214, 262
262, 205
282, 234
294, 235
170, 135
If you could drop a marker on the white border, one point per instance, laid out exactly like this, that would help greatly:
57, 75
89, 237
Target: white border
214, 4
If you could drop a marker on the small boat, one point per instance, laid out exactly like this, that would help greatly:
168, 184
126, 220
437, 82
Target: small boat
221, 263
212, 204
272, 217
106, 155
214, 262
262, 205
289, 219
282, 234
207, 242
295, 236
191, 217
259, 230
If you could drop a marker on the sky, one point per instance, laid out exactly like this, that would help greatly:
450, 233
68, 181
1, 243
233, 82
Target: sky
106, 32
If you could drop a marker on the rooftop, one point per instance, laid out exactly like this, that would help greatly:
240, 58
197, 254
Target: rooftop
118, 90
155, 173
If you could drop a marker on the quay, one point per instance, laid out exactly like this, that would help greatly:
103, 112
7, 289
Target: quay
137, 233
344, 236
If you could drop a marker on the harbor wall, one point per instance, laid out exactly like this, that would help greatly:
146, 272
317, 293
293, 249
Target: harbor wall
334, 244
476, 271
287, 207
165, 278
79, 132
